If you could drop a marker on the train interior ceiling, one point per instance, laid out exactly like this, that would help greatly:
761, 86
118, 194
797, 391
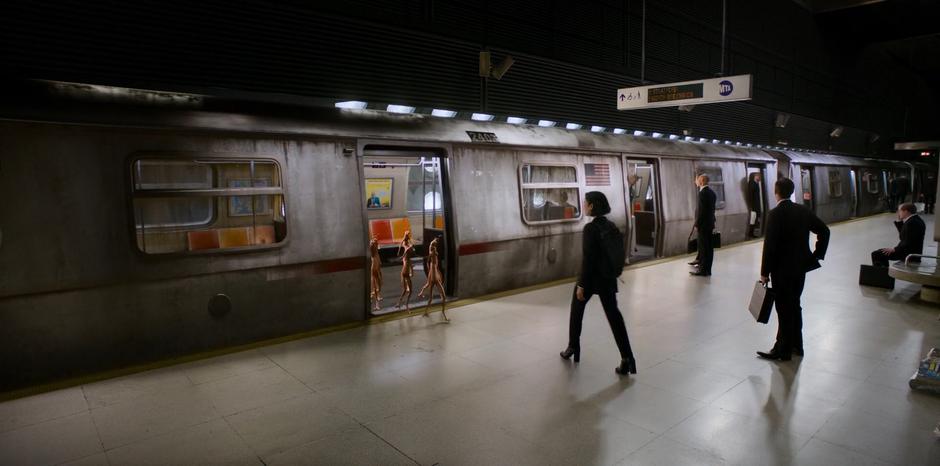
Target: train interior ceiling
403, 196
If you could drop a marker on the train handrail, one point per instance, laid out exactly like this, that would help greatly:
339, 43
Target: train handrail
907, 260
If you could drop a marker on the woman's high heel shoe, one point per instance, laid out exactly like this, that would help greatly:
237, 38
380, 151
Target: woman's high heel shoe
568, 352
627, 366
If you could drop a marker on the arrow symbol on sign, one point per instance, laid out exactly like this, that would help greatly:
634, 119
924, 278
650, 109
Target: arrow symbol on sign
623, 97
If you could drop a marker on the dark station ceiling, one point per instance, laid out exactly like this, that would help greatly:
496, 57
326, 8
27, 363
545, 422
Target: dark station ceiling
908, 31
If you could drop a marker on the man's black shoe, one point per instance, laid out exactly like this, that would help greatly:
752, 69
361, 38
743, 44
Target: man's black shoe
700, 274
773, 356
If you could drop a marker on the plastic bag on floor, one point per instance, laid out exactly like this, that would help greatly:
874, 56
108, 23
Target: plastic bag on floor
927, 376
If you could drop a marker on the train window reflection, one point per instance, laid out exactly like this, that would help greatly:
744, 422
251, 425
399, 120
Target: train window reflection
182, 206
549, 174
835, 182
716, 182
550, 193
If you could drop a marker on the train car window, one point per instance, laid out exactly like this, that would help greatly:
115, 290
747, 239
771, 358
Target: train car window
182, 206
424, 193
716, 182
550, 193
835, 182
871, 182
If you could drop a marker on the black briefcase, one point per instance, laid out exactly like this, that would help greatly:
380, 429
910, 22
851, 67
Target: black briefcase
870, 275
693, 242
762, 302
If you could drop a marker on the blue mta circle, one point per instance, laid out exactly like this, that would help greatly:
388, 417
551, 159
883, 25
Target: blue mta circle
725, 88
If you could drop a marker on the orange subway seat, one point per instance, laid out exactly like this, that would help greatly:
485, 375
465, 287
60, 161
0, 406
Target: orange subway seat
234, 237
205, 239
264, 234
381, 229
399, 227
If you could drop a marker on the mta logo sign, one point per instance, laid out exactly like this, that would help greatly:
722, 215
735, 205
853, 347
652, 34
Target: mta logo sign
725, 88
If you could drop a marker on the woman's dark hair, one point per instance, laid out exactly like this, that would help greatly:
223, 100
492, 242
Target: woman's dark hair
599, 202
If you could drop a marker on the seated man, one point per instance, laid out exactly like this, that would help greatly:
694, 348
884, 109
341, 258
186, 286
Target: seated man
912, 230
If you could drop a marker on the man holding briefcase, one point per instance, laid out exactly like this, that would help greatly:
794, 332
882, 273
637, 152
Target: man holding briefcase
785, 260
704, 223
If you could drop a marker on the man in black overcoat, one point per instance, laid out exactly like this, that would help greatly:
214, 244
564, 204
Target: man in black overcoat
785, 260
911, 229
705, 224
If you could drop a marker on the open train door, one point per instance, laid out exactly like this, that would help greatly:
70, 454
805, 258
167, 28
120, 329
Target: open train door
642, 212
406, 189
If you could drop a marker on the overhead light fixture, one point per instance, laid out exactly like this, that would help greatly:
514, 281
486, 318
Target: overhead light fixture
639, 133
482, 117
750, 145
737, 143
836, 132
673, 137
572, 126
702, 139
399, 109
728, 143
657, 135
619, 131
715, 141
357, 104
759, 146
443, 113
689, 138
515, 120
546, 123
597, 129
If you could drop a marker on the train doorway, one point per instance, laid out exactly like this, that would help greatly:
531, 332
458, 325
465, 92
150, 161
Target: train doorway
642, 210
806, 182
406, 196
853, 179
756, 197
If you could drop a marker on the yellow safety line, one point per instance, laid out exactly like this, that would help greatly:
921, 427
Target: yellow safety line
120, 372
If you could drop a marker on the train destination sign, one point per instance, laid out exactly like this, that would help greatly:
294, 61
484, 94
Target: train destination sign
705, 91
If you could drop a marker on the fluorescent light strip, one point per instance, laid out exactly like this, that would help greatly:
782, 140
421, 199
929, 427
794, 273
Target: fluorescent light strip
515, 120
597, 129
639, 133
572, 126
689, 138
546, 123
443, 113
657, 135
357, 104
482, 117
619, 131
673, 136
399, 109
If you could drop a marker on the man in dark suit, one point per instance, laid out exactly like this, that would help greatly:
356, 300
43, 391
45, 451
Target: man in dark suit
911, 229
786, 259
704, 224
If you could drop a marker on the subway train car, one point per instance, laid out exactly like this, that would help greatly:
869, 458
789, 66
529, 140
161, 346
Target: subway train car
145, 225
838, 187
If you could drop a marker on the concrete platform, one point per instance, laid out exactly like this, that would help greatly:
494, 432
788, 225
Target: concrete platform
489, 387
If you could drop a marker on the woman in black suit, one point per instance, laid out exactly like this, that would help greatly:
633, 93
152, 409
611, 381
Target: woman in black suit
592, 280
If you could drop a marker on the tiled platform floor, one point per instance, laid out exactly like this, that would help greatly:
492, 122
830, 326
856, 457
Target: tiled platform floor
489, 387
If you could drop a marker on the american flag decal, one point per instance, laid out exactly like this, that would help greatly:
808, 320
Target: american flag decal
597, 174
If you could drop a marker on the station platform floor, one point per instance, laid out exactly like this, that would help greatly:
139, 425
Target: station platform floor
489, 387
